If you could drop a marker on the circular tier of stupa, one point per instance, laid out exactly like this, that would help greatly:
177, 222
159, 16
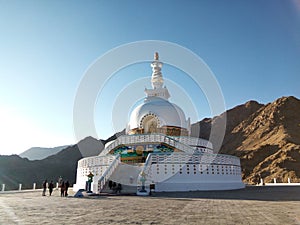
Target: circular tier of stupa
158, 153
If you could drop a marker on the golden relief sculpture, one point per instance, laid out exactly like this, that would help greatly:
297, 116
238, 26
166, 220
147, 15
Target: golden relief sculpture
152, 128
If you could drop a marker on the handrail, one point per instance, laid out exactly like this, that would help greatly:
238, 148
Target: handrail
102, 180
94, 160
140, 138
146, 169
207, 144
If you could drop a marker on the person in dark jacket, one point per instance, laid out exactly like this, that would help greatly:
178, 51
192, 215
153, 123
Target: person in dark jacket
62, 189
119, 188
50, 187
67, 185
110, 184
44, 187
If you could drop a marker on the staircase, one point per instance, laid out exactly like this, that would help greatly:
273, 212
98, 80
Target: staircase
126, 189
127, 176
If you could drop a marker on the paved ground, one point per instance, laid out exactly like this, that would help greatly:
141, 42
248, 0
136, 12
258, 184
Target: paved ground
253, 205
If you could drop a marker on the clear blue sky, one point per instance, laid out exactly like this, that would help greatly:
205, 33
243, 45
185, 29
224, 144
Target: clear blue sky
252, 47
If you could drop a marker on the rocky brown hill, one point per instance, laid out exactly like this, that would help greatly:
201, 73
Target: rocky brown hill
265, 137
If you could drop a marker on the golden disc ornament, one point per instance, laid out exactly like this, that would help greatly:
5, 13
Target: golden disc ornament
139, 150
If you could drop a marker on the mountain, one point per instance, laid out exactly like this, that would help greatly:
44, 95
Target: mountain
265, 137
115, 136
37, 153
90, 146
232, 118
15, 170
270, 141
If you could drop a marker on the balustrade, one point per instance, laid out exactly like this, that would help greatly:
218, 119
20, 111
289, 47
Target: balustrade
105, 176
146, 138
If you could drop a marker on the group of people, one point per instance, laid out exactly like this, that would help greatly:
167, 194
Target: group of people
114, 186
63, 185
50, 187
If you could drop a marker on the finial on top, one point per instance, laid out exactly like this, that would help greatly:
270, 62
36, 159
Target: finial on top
156, 56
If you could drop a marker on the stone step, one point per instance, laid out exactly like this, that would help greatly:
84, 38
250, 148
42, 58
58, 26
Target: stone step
126, 174
126, 189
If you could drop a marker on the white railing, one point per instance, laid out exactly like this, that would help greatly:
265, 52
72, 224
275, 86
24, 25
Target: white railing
96, 165
94, 161
105, 176
194, 141
184, 158
148, 138
146, 170
203, 158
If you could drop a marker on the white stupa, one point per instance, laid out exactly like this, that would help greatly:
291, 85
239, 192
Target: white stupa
158, 151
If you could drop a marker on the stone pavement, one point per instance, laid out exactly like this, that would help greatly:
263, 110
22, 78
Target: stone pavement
253, 205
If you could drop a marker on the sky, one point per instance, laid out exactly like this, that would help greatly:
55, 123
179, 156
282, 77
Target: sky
46, 48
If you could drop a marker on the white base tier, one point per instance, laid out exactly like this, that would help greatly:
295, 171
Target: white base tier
174, 187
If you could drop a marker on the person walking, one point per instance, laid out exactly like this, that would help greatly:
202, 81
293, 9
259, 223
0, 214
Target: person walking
119, 188
62, 189
44, 187
60, 181
110, 183
67, 185
51, 186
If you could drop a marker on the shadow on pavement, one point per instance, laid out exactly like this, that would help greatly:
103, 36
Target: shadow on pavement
259, 193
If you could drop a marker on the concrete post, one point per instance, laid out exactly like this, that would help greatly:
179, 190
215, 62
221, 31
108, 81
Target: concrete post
274, 180
3, 187
289, 180
34, 186
261, 181
20, 187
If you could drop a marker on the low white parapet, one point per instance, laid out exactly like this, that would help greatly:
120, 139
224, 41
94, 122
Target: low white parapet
275, 183
282, 184
204, 186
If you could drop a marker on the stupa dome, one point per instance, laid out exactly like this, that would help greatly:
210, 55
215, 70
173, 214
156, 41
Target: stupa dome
163, 112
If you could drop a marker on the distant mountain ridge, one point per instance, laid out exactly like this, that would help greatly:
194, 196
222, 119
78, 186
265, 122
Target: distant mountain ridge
15, 170
38, 153
88, 146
